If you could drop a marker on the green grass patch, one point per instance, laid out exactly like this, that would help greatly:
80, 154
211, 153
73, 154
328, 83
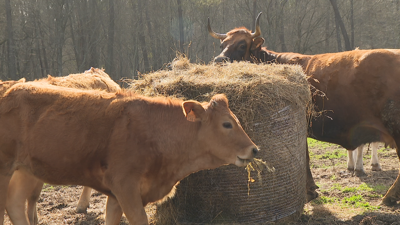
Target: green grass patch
332, 154
360, 188
48, 188
359, 202
329, 154
354, 201
374, 195
312, 143
380, 188
325, 200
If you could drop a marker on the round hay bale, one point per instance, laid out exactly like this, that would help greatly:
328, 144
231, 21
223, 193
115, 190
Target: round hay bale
271, 103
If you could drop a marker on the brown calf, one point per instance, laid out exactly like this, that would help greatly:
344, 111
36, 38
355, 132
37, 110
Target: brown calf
24, 187
132, 148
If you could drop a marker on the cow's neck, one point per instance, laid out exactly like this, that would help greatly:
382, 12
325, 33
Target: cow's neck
191, 157
269, 56
264, 55
180, 155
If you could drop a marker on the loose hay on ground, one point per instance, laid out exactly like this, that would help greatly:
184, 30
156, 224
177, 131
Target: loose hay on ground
271, 103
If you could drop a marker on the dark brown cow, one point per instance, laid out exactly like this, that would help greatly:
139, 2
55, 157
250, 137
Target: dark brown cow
132, 148
24, 187
361, 100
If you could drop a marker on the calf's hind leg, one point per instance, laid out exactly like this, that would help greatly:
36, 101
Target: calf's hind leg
23, 187
83, 203
32, 202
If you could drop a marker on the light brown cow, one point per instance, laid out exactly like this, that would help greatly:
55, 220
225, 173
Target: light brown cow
361, 93
5, 85
23, 186
132, 148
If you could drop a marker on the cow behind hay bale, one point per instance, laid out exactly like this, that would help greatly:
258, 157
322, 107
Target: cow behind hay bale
93, 77
271, 101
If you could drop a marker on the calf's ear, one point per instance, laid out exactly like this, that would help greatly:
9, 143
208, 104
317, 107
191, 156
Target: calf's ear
193, 111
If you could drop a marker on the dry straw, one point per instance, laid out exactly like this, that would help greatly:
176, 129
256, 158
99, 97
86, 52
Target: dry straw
271, 103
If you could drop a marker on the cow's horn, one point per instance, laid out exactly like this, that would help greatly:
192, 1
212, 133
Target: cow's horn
214, 34
258, 30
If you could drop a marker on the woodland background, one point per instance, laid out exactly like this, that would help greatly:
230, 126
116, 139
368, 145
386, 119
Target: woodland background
129, 37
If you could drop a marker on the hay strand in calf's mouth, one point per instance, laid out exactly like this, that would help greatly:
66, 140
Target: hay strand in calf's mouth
257, 165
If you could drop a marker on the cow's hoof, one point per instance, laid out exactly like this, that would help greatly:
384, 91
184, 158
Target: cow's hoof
311, 195
350, 169
388, 201
81, 210
360, 173
376, 167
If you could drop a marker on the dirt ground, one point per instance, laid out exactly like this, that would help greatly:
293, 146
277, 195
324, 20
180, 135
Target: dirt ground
57, 204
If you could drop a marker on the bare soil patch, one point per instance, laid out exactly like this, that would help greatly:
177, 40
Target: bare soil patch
57, 204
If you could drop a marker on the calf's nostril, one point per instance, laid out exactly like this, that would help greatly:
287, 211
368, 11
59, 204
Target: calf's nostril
255, 151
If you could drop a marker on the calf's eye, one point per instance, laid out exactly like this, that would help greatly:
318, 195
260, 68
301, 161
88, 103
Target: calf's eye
227, 125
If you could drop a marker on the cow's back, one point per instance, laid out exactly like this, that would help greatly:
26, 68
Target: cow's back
90, 79
44, 116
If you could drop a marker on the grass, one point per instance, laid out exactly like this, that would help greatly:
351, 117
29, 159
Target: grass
48, 187
353, 201
358, 201
354, 196
312, 143
361, 188
343, 195
329, 153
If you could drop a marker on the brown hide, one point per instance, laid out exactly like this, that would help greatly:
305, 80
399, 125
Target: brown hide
360, 102
91, 79
357, 86
132, 148
5, 85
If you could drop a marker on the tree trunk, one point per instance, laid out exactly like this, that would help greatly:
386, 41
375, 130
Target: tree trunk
352, 24
339, 21
181, 31
93, 32
338, 38
59, 34
253, 28
152, 36
142, 39
110, 42
280, 26
327, 31
12, 70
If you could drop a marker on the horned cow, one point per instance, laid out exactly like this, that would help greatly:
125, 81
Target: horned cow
356, 92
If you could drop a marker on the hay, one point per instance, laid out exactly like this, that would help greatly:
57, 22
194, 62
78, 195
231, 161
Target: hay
271, 104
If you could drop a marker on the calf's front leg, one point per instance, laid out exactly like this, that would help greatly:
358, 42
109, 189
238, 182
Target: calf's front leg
130, 201
113, 211
4, 181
